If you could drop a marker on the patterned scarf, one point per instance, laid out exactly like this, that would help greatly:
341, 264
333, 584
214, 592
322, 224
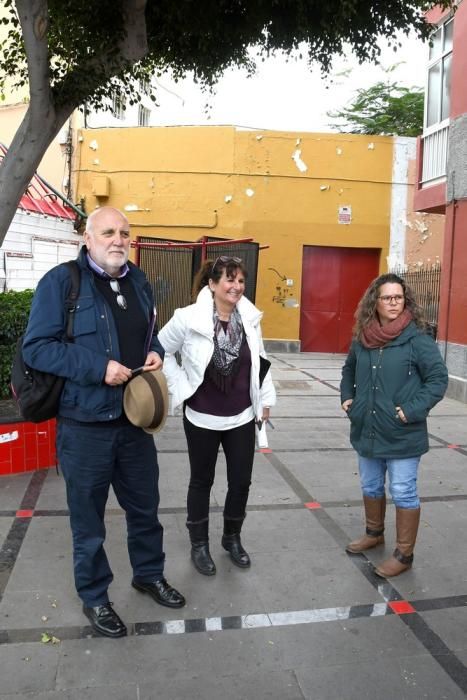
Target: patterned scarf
376, 336
224, 363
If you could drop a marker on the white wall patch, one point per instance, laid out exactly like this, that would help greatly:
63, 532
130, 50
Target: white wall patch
9, 437
299, 162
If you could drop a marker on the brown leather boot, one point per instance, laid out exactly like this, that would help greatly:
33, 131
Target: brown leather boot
375, 510
407, 520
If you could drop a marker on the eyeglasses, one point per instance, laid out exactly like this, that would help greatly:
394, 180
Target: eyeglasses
121, 301
387, 299
224, 259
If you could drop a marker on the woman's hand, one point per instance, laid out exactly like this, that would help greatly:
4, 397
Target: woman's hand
346, 404
265, 413
400, 414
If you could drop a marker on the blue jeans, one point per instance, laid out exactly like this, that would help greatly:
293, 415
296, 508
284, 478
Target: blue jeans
92, 459
402, 479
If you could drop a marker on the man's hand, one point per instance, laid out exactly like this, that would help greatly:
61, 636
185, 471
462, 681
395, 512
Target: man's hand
153, 361
116, 373
346, 404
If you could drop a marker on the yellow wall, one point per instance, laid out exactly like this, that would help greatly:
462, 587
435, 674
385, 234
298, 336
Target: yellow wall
53, 166
187, 182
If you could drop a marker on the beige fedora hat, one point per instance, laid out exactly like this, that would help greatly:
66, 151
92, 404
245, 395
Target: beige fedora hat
146, 400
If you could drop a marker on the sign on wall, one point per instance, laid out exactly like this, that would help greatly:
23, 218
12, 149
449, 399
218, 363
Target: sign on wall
344, 215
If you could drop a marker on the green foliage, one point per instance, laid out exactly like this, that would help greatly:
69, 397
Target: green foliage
205, 37
14, 313
385, 108
75, 53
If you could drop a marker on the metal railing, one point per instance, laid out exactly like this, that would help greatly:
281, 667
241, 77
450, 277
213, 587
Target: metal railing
425, 284
171, 266
435, 151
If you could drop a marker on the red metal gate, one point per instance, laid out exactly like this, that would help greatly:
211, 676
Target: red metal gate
333, 280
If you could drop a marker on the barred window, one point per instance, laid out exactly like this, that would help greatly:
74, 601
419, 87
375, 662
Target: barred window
118, 105
143, 116
145, 86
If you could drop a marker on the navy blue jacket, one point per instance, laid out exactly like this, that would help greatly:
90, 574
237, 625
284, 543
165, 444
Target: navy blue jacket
408, 372
82, 362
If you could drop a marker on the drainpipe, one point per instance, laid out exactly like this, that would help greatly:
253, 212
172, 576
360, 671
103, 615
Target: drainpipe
451, 259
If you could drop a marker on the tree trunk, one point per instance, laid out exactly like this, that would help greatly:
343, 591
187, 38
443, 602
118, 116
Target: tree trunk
43, 120
31, 141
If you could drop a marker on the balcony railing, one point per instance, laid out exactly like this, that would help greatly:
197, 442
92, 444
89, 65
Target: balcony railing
435, 151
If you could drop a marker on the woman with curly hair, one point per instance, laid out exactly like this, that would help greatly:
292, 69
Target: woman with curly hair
392, 377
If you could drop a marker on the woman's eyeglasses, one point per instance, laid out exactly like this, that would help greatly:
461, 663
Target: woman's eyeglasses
121, 301
386, 299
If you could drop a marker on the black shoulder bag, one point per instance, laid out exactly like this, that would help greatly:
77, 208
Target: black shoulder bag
38, 393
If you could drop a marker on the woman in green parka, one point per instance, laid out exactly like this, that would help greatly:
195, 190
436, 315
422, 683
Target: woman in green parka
392, 377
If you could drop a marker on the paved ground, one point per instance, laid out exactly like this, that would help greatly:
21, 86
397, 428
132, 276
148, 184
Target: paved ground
306, 621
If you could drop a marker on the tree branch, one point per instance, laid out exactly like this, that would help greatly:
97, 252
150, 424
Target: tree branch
135, 44
94, 72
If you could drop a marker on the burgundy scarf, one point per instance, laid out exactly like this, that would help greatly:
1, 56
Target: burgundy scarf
374, 335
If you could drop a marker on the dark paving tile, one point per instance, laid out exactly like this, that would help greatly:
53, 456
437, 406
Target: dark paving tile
262, 685
450, 625
12, 490
28, 667
414, 678
106, 692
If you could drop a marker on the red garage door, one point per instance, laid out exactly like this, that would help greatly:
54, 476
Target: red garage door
333, 280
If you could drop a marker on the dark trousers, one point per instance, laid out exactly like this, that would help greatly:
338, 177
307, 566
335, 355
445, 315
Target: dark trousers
203, 447
92, 459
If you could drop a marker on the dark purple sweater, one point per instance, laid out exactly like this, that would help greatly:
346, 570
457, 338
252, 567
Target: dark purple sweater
209, 399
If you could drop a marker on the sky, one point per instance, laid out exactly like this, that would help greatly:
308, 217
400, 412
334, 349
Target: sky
288, 95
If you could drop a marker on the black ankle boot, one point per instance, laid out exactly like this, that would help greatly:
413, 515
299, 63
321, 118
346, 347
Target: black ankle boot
200, 554
232, 543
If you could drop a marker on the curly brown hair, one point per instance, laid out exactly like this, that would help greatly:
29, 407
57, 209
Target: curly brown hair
366, 309
213, 270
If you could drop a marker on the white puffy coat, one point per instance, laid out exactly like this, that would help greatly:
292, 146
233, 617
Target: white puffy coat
190, 331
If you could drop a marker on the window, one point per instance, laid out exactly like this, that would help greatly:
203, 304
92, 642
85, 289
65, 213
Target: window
143, 116
118, 105
439, 76
144, 86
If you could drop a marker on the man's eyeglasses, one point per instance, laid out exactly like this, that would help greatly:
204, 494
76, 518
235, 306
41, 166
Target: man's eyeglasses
224, 259
387, 299
121, 301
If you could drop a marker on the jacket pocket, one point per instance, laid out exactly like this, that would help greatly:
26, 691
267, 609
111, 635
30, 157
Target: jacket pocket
84, 321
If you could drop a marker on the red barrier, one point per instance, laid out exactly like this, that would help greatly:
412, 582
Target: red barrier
25, 447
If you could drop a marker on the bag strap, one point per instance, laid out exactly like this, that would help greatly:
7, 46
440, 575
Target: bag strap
70, 303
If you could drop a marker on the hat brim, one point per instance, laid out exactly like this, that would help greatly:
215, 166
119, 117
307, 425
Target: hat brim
146, 401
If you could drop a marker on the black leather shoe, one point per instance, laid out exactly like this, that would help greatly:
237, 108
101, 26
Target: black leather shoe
201, 558
233, 545
105, 620
162, 592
